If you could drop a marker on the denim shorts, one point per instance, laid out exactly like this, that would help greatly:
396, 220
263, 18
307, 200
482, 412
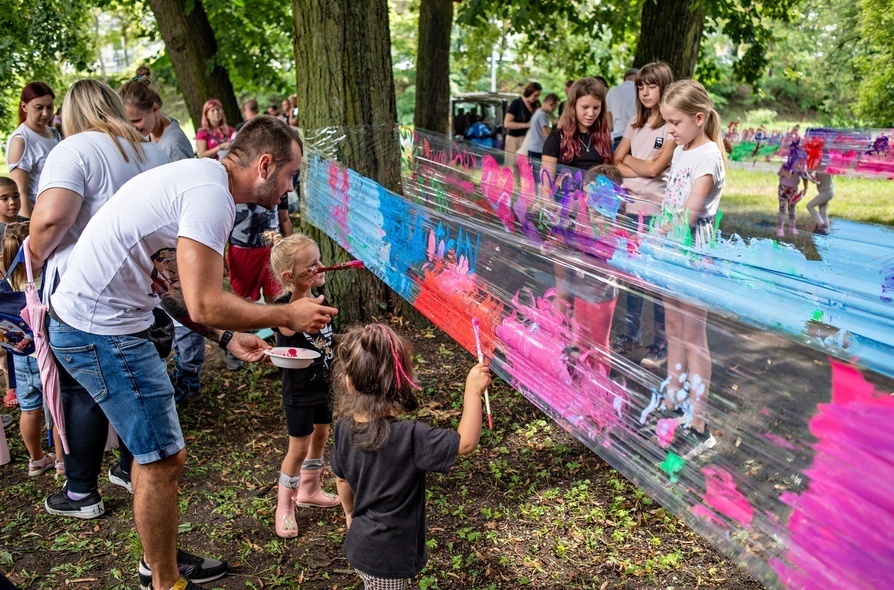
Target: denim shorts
29, 390
130, 382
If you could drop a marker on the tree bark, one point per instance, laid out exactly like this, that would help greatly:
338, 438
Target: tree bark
191, 45
343, 65
433, 66
671, 31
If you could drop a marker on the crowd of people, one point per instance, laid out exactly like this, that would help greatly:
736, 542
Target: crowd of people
132, 231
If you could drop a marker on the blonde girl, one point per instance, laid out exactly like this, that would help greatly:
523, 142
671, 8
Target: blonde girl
306, 393
695, 182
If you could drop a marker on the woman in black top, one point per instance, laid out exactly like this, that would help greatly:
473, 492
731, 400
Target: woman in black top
581, 139
518, 116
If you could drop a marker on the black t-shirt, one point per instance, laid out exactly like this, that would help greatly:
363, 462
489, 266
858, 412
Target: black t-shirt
521, 113
583, 159
313, 385
387, 534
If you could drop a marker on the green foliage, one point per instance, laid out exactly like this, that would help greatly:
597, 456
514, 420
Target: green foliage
39, 39
876, 101
254, 44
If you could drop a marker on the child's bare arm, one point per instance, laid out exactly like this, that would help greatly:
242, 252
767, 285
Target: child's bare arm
346, 495
470, 423
701, 188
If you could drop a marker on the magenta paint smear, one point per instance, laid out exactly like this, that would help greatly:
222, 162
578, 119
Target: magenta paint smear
842, 526
498, 185
665, 430
778, 440
535, 340
722, 495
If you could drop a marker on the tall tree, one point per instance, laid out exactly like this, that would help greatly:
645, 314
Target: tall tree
671, 30
433, 66
343, 61
192, 48
37, 40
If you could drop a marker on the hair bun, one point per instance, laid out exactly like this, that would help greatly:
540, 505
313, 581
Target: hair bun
143, 74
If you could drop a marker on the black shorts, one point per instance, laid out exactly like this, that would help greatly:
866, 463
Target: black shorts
300, 420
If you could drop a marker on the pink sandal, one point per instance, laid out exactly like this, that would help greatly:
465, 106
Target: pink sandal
10, 399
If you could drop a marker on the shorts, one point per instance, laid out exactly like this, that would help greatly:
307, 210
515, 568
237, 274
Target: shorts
787, 194
130, 382
374, 583
250, 272
301, 420
29, 389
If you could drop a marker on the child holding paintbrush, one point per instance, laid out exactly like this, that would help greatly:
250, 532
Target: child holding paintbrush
380, 461
307, 395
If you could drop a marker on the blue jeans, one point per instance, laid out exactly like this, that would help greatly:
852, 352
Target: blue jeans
29, 389
129, 381
633, 319
189, 351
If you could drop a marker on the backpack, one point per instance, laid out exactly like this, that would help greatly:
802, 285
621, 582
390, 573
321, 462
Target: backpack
15, 334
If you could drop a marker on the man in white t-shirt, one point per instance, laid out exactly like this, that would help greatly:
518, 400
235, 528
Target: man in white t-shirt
161, 238
620, 101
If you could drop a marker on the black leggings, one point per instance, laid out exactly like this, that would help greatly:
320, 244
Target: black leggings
87, 430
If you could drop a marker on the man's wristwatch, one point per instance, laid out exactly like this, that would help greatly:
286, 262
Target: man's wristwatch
225, 339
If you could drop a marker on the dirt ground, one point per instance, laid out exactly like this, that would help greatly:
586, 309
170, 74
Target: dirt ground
532, 508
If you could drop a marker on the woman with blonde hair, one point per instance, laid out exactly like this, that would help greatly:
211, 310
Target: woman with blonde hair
100, 153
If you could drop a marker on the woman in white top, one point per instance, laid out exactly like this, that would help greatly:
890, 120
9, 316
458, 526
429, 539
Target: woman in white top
643, 157
32, 140
100, 153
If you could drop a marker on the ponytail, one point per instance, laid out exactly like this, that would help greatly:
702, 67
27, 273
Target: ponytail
714, 132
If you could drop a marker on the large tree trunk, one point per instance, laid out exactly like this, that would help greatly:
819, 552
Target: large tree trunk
671, 30
433, 66
191, 45
343, 65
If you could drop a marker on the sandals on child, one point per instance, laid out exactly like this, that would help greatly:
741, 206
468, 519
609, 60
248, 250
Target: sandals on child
10, 398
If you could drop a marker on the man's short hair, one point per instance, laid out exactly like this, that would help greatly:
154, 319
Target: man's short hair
265, 135
252, 105
551, 98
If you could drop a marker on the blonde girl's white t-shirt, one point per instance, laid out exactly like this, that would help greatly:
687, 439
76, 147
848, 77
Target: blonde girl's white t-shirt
90, 165
37, 148
686, 167
126, 259
645, 144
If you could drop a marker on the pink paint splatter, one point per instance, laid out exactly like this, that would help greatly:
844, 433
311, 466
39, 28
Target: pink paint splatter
498, 185
666, 430
722, 495
778, 440
841, 526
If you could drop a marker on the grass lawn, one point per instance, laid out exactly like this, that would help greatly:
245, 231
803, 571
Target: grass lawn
751, 193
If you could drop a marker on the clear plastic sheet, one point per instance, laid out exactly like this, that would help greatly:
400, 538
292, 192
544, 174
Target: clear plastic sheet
797, 349
851, 152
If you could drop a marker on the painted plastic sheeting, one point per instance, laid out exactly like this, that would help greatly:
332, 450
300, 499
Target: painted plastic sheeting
851, 152
803, 456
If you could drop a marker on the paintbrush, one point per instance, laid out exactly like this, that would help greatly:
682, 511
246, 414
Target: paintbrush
477, 330
342, 266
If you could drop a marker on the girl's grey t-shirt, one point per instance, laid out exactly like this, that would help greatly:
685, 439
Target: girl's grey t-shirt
174, 142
